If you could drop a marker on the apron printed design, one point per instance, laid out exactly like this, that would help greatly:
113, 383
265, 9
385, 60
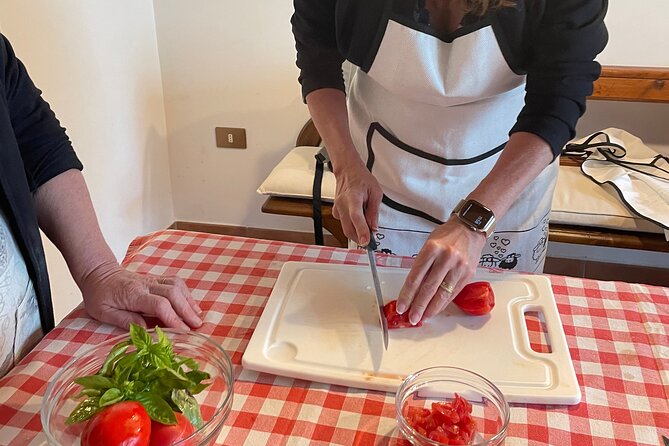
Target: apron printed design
501, 252
431, 118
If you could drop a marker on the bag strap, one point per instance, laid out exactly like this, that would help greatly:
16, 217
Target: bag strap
322, 159
587, 147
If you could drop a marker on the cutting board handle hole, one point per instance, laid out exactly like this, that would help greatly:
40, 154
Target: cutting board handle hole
535, 323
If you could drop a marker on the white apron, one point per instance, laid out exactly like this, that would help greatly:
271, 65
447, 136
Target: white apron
20, 326
622, 164
431, 118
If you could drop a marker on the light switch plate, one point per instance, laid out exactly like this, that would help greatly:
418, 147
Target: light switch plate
230, 138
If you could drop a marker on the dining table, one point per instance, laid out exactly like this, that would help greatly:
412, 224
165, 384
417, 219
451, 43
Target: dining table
617, 334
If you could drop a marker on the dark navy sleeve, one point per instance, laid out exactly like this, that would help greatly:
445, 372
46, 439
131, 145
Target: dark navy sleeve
45, 149
318, 58
561, 68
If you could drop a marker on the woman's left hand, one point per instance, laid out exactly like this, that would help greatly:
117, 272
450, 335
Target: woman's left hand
450, 256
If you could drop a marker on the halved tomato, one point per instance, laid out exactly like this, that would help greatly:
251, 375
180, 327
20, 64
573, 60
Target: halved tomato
396, 320
476, 298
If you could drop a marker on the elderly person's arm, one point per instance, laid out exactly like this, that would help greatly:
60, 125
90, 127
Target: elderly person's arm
111, 293
46, 182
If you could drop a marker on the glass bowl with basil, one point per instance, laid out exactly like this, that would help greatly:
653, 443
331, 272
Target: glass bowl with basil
162, 379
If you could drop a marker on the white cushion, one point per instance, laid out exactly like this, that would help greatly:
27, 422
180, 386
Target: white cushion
580, 201
294, 176
577, 201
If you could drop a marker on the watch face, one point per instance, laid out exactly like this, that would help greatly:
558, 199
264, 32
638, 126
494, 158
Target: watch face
478, 216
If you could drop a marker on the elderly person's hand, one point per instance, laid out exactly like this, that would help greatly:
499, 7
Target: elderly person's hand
117, 296
449, 257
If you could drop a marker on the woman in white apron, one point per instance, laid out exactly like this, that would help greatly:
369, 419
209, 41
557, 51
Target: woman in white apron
437, 89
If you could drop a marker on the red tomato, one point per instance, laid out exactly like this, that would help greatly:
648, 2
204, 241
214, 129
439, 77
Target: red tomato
122, 424
476, 298
396, 320
168, 434
448, 422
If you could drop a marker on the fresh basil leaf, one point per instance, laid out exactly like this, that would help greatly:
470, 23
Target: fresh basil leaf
125, 366
188, 407
137, 386
84, 410
173, 379
198, 388
197, 376
140, 337
111, 396
188, 362
94, 382
89, 393
158, 388
164, 343
116, 352
666, 440
159, 358
157, 408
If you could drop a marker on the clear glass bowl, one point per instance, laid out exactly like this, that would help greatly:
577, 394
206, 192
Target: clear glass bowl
215, 401
437, 384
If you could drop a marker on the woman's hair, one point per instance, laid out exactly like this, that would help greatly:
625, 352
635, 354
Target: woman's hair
480, 7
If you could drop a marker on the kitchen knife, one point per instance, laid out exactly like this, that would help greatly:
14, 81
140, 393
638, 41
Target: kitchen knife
371, 247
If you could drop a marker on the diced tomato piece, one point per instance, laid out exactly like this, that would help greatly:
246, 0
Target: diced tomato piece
453, 430
396, 320
448, 422
468, 429
413, 411
430, 423
441, 437
444, 413
476, 298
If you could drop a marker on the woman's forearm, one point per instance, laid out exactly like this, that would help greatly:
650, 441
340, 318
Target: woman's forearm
327, 107
523, 158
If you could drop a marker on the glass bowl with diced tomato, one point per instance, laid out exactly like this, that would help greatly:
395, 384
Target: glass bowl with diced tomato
449, 405
148, 388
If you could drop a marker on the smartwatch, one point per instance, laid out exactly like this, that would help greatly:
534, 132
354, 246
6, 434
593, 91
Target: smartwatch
475, 216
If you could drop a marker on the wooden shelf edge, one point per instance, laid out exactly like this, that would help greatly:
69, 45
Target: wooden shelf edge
607, 237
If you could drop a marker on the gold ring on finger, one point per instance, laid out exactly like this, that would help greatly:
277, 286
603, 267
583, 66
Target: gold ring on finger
447, 287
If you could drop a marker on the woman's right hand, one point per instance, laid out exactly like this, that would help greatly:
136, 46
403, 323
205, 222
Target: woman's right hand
357, 200
358, 195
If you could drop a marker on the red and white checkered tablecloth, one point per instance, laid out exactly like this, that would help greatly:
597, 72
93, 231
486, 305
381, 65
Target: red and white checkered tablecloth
617, 335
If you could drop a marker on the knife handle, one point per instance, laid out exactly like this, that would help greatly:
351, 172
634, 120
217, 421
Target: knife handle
372, 242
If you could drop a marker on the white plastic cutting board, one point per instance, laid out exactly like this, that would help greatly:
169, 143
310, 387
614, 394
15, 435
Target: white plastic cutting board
321, 324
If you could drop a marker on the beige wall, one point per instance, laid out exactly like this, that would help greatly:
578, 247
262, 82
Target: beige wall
228, 63
97, 63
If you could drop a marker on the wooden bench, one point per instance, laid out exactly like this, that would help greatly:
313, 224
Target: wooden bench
615, 84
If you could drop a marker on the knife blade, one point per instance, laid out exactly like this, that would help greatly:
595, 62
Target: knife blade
371, 247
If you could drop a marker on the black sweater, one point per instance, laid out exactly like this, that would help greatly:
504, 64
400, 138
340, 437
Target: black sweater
33, 149
553, 42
